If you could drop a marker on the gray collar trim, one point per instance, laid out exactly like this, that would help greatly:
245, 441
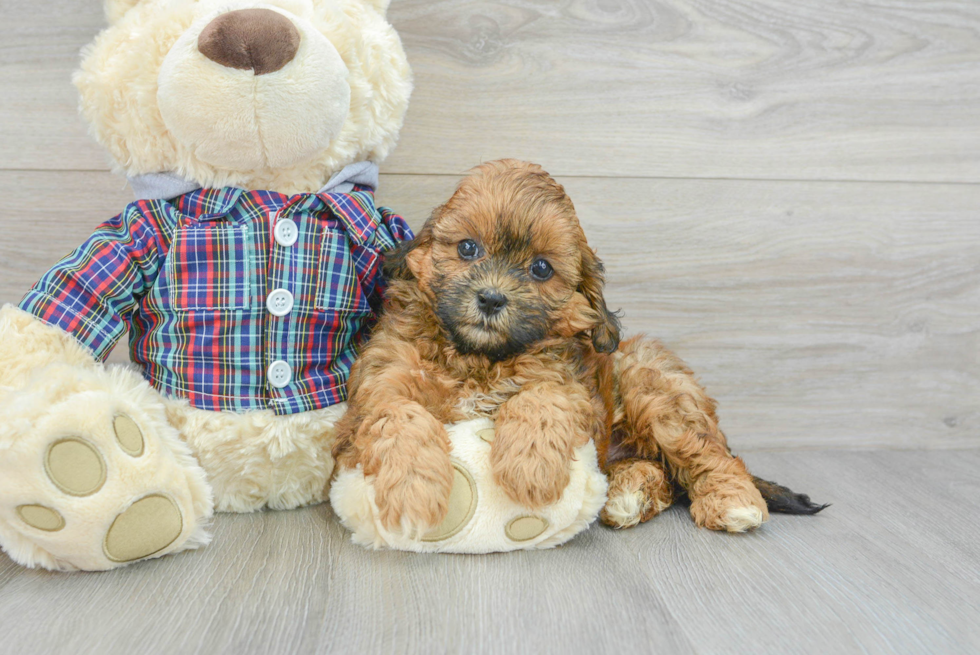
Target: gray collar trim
163, 186
157, 186
363, 172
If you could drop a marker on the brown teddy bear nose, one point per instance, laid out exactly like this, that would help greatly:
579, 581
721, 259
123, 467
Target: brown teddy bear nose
260, 39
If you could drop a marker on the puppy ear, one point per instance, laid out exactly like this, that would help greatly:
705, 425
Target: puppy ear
395, 264
605, 334
402, 262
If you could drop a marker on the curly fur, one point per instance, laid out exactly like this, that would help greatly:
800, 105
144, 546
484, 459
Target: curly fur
548, 369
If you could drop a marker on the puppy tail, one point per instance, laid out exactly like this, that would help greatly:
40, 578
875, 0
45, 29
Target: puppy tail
785, 501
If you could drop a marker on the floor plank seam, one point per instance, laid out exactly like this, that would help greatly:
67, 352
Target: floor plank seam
790, 180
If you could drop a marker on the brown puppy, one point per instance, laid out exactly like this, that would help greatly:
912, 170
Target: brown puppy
496, 309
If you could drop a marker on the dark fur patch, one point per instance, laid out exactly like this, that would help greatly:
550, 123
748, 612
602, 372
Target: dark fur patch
523, 323
782, 500
513, 242
394, 261
605, 338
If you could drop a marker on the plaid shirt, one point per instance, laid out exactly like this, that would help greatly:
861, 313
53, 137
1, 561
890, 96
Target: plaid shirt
190, 278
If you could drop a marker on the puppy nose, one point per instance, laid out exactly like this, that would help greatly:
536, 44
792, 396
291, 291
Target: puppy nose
257, 39
490, 301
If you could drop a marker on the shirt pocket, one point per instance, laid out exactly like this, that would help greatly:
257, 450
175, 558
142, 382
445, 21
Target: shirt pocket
209, 267
338, 288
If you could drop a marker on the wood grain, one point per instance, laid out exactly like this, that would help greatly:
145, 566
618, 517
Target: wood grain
672, 88
890, 567
39, 49
842, 89
819, 314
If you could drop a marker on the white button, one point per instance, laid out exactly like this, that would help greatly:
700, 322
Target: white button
279, 302
286, 232
279, 374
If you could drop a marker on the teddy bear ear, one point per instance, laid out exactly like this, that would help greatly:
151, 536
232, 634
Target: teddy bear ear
381, 6
116, 9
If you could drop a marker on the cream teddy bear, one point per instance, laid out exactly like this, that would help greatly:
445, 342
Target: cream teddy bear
247, 273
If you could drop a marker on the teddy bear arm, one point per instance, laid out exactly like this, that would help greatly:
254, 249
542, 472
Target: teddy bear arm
28, 344
81, 307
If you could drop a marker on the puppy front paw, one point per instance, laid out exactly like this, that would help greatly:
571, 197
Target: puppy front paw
534, 478
413, 499
407, 452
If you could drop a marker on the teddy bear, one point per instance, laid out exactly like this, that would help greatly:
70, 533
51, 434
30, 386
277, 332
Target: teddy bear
247, 273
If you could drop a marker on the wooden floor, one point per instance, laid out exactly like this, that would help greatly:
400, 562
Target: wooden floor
892, 567
787, 193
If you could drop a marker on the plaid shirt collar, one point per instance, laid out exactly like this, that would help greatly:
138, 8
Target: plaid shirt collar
360, 224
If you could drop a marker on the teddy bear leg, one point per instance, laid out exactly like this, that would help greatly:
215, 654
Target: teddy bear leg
638, 490
92, 477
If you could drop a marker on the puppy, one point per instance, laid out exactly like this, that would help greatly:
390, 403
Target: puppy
496, 309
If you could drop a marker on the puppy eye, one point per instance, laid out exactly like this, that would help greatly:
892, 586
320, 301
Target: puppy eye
541, 270
468, 249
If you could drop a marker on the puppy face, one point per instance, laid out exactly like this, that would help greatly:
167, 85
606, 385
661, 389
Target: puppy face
506, 265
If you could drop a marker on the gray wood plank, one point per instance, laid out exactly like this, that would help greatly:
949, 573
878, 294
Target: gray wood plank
39, 49
671, 88
864, 577
819, 314
872, 566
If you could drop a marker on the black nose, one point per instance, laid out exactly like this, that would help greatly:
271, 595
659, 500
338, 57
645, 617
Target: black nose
490, 301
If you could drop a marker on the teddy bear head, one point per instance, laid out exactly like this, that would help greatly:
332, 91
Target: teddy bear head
271, 94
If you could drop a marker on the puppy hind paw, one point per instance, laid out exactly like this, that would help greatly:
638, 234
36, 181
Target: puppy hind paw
742, 519
638, 491
737, 513
625, 509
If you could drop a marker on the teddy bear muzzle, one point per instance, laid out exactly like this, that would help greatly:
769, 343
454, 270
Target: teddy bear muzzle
253, 88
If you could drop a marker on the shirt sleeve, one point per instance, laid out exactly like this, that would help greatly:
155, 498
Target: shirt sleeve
391, 230
93, 291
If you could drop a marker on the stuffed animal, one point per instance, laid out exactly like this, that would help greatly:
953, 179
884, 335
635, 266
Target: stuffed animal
247, 273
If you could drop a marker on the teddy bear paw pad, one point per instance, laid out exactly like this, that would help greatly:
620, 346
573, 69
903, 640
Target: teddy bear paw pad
75, 467
525, 528
41, 517
462, 505
129, 435
147, 527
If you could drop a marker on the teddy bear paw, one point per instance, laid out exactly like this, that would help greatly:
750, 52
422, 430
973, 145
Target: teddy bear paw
93, 482
481, 517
